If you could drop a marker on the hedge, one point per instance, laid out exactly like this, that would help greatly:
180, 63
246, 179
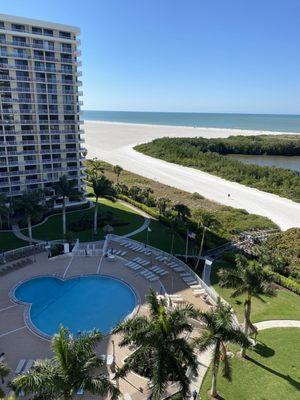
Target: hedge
288, 283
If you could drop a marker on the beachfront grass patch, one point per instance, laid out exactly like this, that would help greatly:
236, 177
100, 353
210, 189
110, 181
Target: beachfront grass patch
285, 305
161, 237
271, 371
128, 219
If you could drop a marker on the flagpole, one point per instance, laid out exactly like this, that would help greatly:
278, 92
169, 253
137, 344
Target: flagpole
186, 244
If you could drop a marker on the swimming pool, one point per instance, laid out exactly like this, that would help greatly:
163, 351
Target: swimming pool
80, 303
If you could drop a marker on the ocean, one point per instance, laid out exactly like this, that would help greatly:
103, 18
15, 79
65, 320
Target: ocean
257, 122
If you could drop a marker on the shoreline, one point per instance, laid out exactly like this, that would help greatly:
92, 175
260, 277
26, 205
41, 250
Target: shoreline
114, 142
253, 132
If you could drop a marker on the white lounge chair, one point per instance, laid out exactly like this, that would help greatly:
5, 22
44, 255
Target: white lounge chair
20, 367
28, 365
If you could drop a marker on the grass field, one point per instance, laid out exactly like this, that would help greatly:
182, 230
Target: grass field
8, 241
286, 305
271, 372
161, 237
52, 228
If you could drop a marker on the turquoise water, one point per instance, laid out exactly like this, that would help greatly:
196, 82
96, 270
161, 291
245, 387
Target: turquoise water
80, 304
263, 122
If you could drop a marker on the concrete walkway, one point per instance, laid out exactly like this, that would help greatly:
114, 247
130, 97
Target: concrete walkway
140, 229
16, 231
277, 323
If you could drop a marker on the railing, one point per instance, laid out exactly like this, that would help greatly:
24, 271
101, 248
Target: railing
25, 251
210, 291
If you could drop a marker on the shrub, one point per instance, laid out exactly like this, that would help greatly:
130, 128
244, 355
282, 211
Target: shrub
288, 283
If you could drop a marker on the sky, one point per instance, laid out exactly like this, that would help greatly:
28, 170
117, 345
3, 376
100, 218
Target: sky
182, 55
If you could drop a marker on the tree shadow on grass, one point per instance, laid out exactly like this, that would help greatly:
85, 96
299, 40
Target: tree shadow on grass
288, 378
263, 350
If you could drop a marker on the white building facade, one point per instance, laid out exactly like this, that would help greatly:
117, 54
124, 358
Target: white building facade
41, 135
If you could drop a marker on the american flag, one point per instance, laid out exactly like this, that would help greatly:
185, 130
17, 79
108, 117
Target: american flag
191, 235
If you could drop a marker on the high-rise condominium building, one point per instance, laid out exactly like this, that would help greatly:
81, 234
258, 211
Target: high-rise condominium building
40, 128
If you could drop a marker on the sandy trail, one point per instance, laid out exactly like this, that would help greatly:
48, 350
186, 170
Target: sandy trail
113, 142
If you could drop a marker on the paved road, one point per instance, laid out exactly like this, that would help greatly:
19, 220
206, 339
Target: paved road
113, 143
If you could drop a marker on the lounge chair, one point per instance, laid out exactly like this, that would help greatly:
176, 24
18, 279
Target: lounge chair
28, 365
20, 367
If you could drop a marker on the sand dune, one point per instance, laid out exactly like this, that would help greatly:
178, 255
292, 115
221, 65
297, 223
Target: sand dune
113, 142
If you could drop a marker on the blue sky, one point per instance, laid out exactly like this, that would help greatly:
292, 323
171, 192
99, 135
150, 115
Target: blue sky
183, 55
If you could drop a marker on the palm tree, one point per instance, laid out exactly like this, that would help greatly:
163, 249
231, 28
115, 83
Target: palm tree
117, 169
4, 210
65, 188
161, 348
207, 221
4, 371
102, 187
183, 211
94, 169
174, 224
30, 204
74, 366
219, 330
250, 278
162, 204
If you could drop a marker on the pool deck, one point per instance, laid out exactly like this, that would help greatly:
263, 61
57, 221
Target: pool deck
18, 342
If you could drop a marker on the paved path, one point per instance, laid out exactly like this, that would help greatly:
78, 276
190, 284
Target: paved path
20, 235
277, 323
113, 142
140, 229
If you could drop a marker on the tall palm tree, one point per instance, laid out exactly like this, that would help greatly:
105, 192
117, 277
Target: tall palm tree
94, 169
219, 330
4, 210
4, 371
174, 224
65, 188
250, 278
74, 366
162, 204
117, 169
162, 349
207, 221
102, 187
30, 204
183, 211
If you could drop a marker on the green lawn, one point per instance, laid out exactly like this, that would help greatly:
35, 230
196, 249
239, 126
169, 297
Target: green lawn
271, 372
8, 241
286, 305
52, 228
161, 237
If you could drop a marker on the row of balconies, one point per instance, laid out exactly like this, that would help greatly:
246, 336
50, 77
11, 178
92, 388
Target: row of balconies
40, 69
24, 100
61, 60
44, 170
47, 161
42, 46
41, 122
42, 132
38, 152
33, 143
55, 81
36, 181
41, 32
40, 111
39, 90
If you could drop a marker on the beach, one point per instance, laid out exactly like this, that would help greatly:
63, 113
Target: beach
114, 142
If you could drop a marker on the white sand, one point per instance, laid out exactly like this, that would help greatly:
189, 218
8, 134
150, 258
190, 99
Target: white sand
113, 142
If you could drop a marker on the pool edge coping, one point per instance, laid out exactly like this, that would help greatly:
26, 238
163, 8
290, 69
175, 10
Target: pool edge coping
26, 313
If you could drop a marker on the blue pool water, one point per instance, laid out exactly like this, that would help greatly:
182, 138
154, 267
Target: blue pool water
80, 304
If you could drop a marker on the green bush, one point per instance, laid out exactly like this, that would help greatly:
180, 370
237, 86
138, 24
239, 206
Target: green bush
288, 283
